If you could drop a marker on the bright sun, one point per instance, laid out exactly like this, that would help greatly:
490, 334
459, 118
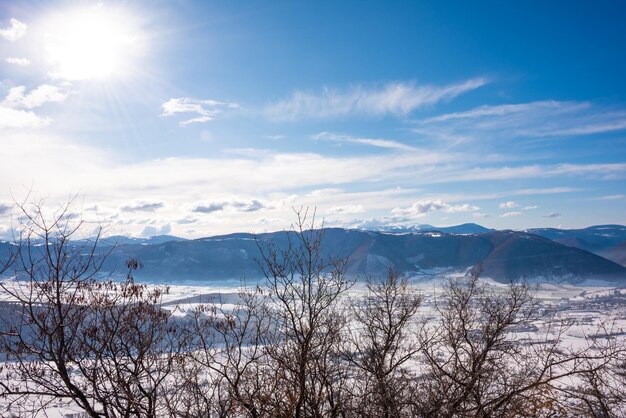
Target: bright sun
92, 43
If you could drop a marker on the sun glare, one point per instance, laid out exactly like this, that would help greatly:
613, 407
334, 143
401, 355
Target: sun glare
92, 43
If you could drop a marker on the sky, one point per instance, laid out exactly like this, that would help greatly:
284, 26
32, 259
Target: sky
197, 118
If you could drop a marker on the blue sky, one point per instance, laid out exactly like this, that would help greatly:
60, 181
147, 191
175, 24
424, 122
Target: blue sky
203, 117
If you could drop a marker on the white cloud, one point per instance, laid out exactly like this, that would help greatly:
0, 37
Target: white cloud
371, 200
462, 208
142, 207
207, 110
276, 181
12, 113
23, 62
252, 205
45, 93
54, 161
345, 209
13, 118
552, 215
151, 231
271, 171
4, 208
210, 207
394, 98
187, 221
380, 143
531, 207
168, 179
510, 214
507, 205
249, 206
14, 32
479, 215
422, 207
6, 232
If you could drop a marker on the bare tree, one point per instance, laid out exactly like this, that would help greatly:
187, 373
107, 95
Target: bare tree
305, 287
381, 345
226, 371
486, 357
104, 346
599, 391
293, 348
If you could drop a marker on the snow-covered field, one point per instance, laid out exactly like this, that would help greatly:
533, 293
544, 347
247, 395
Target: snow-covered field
592, 310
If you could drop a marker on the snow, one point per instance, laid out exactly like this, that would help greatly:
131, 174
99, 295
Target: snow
593, 308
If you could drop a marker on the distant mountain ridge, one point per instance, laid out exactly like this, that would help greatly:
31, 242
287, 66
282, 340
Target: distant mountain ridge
467, 228
122, 239
505, 255
608, 241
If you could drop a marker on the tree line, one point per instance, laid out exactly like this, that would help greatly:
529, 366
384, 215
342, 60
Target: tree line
306, 342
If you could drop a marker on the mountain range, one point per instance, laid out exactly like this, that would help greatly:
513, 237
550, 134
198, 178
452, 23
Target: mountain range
549, 254
608, 241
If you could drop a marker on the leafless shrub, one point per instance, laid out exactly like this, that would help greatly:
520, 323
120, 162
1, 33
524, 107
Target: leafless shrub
380, 348
305, 288
225, 370
479, 365
108, 347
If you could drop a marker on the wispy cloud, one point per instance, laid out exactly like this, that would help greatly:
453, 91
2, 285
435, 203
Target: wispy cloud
279, 180
206, 110
395, 98
380, 143
296, 171
422, 207
15, 30
611, 197
608, 171
23, 62
513, 192
512, 109
534, 119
